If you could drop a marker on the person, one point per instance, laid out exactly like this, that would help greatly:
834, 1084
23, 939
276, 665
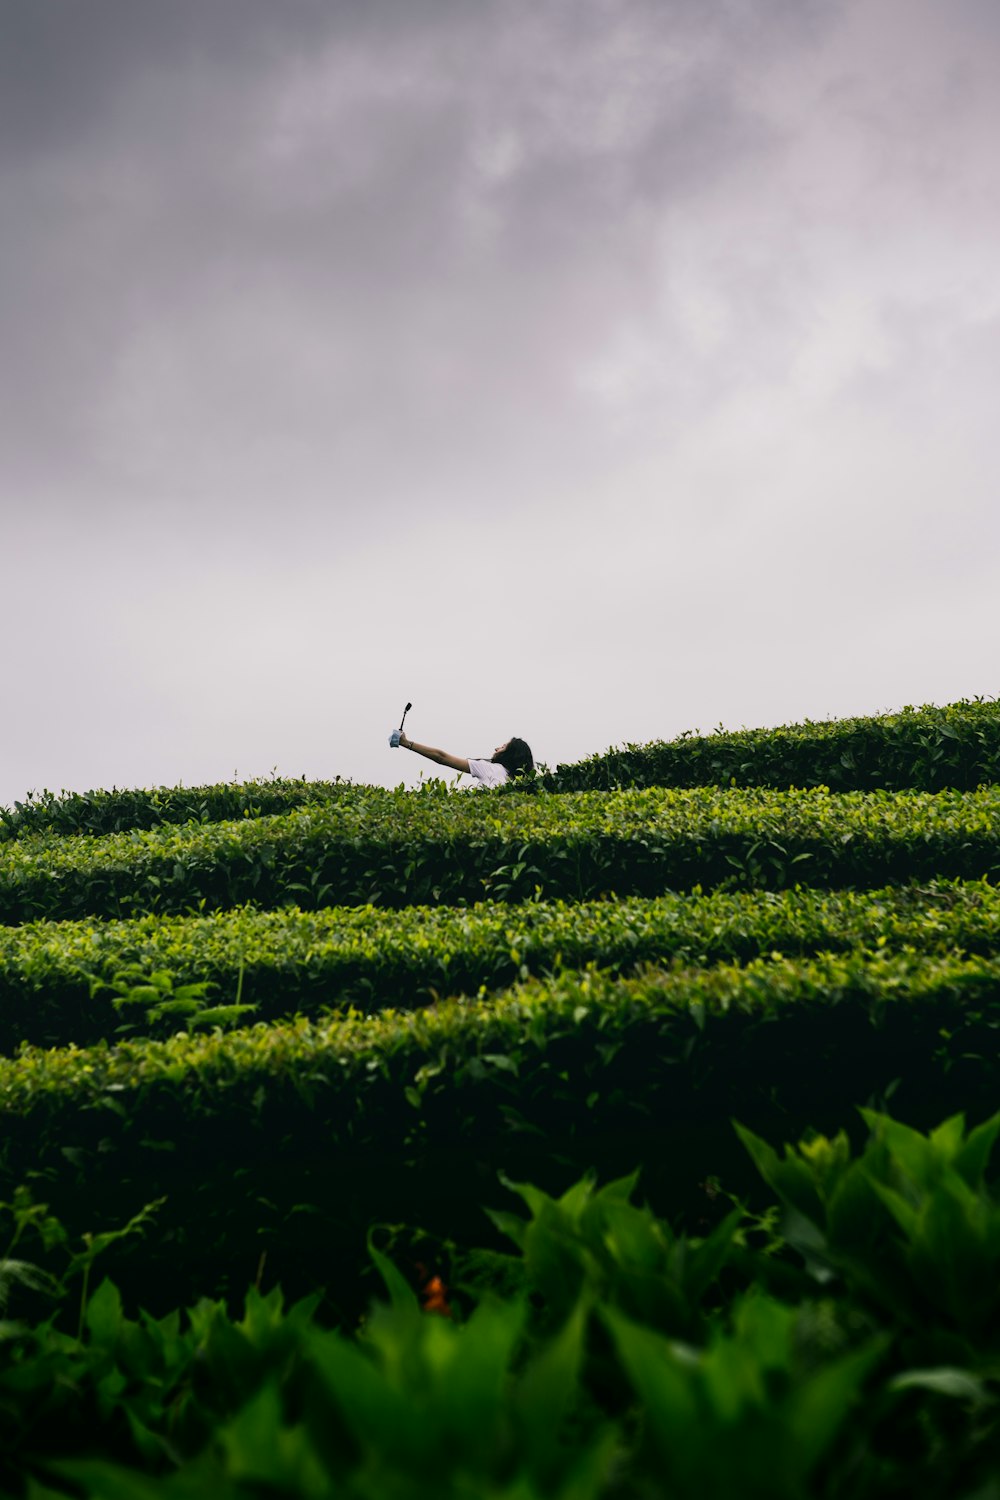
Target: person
506, 761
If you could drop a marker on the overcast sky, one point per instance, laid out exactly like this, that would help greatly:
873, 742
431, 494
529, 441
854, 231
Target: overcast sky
588, 370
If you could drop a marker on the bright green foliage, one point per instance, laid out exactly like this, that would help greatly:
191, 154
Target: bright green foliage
924, 748
59, 980
436, 846
162, 1004
696, 1004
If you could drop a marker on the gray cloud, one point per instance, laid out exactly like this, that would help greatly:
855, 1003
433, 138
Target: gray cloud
317, 235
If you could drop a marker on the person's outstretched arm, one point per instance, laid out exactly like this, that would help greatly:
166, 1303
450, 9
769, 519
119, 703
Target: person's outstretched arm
440, 757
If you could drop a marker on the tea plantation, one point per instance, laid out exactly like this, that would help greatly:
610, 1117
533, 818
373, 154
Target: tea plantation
708, 1027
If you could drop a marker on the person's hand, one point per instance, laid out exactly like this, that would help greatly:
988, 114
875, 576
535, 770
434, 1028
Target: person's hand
404, 742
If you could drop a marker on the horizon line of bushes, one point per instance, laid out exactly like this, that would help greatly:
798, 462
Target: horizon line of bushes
926, 748
923, 748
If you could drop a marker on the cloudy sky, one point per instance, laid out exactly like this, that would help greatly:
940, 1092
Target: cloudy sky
589, 370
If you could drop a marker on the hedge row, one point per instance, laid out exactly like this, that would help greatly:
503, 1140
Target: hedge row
277, 1136
924, 749
100, 812
58, 979
435, 847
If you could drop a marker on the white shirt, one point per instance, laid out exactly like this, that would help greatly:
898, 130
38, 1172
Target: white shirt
487, 772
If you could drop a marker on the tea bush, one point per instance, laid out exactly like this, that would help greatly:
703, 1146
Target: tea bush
63, 982
924, 749
437, 847
250, 1022
261, 1137
99, 812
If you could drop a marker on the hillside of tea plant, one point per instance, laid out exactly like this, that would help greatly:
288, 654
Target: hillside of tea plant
254, 1021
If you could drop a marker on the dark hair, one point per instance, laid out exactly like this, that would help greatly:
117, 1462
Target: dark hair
514, 757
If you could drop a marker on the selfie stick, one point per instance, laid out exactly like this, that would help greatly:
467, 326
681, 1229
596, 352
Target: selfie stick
394, 736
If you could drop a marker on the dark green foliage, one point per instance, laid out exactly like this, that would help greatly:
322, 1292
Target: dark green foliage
910, 1226
287, 1136
110, 812
597, 1243
924, 749
611, 1357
